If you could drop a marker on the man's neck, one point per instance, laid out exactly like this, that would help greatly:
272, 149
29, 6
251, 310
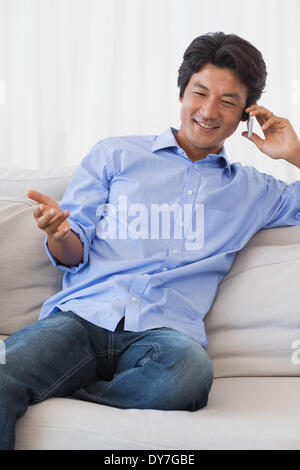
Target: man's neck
195, 153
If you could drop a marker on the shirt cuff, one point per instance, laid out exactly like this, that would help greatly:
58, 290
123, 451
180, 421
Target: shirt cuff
73, 269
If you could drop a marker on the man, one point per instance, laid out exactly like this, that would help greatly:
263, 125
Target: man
127, 328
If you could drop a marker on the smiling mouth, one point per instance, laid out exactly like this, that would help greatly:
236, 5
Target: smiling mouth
205, 127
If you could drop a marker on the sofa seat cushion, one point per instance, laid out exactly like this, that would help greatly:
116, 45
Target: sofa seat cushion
242, 413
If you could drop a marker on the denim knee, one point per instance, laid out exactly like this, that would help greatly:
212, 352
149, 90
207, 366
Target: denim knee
185, 375
196, 370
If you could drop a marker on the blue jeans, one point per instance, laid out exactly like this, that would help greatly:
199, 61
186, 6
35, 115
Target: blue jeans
64, 355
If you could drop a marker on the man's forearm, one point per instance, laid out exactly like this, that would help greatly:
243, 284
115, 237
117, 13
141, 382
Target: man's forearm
69, 251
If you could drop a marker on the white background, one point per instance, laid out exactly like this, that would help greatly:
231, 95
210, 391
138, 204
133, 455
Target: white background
75, 71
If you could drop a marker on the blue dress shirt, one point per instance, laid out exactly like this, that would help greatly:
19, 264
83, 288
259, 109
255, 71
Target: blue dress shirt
156, 275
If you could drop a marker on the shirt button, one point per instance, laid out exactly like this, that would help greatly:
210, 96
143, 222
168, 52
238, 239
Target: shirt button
146, 275
165, 269
175, 251
133, 299
196, 166
190, 192
182, 224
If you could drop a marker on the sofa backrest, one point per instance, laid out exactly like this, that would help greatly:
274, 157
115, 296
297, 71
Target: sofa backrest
252, 328
27, 278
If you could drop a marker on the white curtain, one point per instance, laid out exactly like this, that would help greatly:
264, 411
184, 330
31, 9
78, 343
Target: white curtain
73, 72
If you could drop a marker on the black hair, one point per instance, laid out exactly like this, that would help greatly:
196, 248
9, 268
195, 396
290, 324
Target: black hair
225, 51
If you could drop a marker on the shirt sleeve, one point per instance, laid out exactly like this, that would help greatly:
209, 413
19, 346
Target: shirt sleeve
85, 198
281, 202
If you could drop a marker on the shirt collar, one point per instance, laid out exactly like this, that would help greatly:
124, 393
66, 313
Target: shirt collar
167, 140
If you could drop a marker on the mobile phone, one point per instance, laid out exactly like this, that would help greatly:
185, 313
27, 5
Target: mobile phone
250, 126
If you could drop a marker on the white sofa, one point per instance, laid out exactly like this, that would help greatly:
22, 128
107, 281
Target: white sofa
252, 328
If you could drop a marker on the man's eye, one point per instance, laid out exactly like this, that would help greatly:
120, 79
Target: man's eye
201, 94
228, 102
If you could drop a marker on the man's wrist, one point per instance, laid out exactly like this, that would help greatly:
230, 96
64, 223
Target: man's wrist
68, 251
295, 158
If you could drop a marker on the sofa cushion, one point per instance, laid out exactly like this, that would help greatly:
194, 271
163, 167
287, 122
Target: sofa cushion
27, 278
242, 413
254, 324
27, 283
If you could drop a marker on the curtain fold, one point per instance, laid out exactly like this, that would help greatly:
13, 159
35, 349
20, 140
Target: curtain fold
77, 71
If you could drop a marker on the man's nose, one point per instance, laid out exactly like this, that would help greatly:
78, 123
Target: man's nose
209, 110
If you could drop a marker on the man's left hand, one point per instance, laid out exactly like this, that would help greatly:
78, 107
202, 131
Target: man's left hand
281, 141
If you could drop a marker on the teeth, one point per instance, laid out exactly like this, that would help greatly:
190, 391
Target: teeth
205, 125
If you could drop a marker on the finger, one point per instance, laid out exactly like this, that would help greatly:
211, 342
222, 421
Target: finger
44, 220
55, 224
262, 115
38, 210
261, 111
258, 109
255, 139
37, 196
252, 106
268, 123
51, 215
51, 221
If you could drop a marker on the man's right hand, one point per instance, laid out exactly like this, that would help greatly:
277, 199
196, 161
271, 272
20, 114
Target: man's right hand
54, 223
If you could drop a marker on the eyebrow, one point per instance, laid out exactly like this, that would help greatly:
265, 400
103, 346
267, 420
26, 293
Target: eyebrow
231, 95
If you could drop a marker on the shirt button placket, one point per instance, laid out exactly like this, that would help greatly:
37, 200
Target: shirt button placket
132, 312
189, 196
